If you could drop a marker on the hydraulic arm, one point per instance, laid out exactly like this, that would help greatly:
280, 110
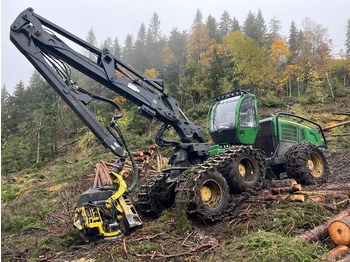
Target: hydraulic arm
38, 39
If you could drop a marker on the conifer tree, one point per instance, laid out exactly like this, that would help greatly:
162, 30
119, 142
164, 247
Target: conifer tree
235, 24
140, 52
249, 25
260, 28
213, 28
293, 42
225, 24
116, 48
198, 19
128, 50
347, 41
274, 30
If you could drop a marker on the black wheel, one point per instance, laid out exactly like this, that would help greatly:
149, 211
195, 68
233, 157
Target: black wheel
155, 195
306, 163
245, 170
204, 192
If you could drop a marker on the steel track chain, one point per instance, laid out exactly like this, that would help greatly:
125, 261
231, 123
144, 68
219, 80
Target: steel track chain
186, 193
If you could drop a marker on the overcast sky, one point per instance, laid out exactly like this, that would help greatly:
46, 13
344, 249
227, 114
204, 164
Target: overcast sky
111, 18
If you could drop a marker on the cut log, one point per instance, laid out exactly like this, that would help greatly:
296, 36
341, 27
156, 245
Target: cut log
283, 183
345, 134
336, 125
341, 187
341, 113
320, 232
334, 193
282, 190
336, 253
339, 231
297, 198
318, 199
272, 197
345, 259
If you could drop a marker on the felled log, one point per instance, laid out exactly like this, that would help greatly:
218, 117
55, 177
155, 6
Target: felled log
320, 232
282, 190
345, 259
336, 125
283, 183
272, 197
334, 193
336, 253
340, 187
341, 113
318, 199
345, 134
339, 231
297, 198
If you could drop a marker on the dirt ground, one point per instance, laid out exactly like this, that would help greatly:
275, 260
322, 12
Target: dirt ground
170, 238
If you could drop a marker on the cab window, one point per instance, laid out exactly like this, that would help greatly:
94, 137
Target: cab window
247, 114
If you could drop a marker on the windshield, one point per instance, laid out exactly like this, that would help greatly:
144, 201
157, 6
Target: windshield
223, 115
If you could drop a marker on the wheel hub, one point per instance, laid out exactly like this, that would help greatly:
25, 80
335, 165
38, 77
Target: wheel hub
241, 170
246, 169
315, 164
211, 193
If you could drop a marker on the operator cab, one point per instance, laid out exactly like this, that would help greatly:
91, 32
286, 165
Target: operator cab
234, 119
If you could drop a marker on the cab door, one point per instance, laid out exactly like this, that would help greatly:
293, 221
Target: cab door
247, 120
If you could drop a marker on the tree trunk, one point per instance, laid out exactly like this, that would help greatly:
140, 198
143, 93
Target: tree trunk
38, 137
330, 85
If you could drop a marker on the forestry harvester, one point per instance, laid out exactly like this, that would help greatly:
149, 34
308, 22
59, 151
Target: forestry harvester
206, 177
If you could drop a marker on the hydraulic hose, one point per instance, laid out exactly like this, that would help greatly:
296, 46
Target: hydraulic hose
123, 140
134, 166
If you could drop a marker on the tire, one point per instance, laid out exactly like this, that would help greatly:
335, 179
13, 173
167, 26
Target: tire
245, 170
204, 193
306, 163
155, 195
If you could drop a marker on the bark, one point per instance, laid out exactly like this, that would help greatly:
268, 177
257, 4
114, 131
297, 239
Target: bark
337, 253
336, 125
283, 183
330, 85
282, 190
40, 125
320, 232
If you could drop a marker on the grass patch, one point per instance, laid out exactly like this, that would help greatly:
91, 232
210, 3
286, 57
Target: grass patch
179, 217
284, 218
266, 246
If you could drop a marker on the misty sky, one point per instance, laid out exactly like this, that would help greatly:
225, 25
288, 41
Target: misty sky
115, 18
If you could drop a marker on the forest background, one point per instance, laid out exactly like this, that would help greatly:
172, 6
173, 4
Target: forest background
214, 56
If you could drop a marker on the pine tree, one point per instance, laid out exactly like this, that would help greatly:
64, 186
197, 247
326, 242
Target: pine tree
235, 24
213, 28
249, 25
91, 39
225, 24
198, 19
293, 42
128, 50
140, 62
116, 50
260, 28
154, 27
347, 41
177, 43
274, 30
107, 43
